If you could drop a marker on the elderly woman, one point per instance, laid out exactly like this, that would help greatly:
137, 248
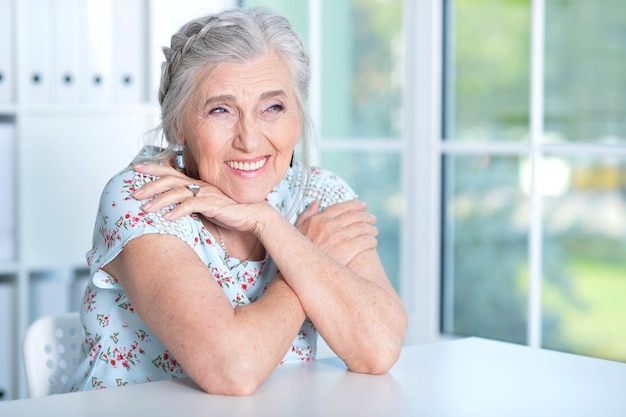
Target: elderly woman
221, 257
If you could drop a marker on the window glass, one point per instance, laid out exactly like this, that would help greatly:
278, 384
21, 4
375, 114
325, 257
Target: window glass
296, 11
585, 63
485, 244
585, 261
375, 177
485, 254
362, 69
487, 70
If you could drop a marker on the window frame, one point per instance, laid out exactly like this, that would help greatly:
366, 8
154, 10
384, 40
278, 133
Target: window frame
533, 149
422, 146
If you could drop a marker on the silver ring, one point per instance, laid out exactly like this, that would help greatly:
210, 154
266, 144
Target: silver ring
193, 188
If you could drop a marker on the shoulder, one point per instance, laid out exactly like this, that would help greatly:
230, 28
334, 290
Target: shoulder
124, 183
120, 218
327, 187
120, 209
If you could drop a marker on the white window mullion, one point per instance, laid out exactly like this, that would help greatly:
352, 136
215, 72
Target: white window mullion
534, 329
421, 169
315, 87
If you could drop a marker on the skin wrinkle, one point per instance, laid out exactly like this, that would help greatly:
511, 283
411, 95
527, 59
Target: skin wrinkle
244, 90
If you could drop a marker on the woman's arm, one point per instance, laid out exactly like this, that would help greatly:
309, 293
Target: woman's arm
225, 350
352, 304
331, 265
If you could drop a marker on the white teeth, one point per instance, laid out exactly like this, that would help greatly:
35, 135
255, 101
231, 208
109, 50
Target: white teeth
247, 166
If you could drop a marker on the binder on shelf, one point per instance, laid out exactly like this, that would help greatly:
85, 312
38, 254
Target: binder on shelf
7, 83
34, 28
7, 337
7, 191
129, 48
97, 51
67, 21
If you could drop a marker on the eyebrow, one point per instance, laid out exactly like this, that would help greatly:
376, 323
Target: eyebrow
230, 97
273, 93
216, 99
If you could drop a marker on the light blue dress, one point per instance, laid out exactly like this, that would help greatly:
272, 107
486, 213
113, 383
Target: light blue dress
119, 349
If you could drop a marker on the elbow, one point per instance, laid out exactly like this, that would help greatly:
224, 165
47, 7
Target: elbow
386, 362
379, 354
241, 387
231, 381
378, 362
377, 367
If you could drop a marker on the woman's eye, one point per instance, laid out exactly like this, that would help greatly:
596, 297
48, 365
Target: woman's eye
275, 108
218, 110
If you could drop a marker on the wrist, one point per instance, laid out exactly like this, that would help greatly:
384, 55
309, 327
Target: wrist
268, 221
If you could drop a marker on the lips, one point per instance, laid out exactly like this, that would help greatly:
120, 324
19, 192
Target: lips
247, 166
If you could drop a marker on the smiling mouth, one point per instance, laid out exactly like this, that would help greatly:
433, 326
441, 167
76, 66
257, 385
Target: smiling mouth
247, 166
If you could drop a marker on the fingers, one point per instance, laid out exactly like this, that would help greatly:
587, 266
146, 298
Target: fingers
342, 230
351, 234
345, 244
343, 213
182, 209
356, 229
313, 209
168, 190
168, 178
167, 194
357, 246
157, 170
345, 206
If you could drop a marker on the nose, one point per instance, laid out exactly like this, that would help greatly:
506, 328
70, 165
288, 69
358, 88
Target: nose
248, 135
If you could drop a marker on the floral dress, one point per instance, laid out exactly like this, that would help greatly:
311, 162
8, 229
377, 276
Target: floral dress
118, 348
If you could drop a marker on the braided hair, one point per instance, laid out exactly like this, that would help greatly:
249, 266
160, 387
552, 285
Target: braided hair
236, 35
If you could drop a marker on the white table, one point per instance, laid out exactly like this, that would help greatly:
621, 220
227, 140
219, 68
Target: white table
468, 377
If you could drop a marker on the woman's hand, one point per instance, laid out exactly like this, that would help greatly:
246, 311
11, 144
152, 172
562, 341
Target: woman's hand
342, 231
170, 189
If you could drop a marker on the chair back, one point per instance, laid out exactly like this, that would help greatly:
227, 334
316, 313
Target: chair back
51, 350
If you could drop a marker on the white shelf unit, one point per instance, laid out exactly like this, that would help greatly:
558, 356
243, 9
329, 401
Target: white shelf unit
69, 133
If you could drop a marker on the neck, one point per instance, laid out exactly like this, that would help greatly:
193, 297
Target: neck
240, 245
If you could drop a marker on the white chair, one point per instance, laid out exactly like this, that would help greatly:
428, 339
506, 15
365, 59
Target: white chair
51, 350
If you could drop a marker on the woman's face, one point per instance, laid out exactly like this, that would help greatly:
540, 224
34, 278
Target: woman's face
242, 127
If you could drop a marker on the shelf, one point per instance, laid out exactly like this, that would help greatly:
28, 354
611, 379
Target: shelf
8, 268
7, 109
79, 110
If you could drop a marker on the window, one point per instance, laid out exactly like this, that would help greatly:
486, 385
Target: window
489, 138
533, 157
